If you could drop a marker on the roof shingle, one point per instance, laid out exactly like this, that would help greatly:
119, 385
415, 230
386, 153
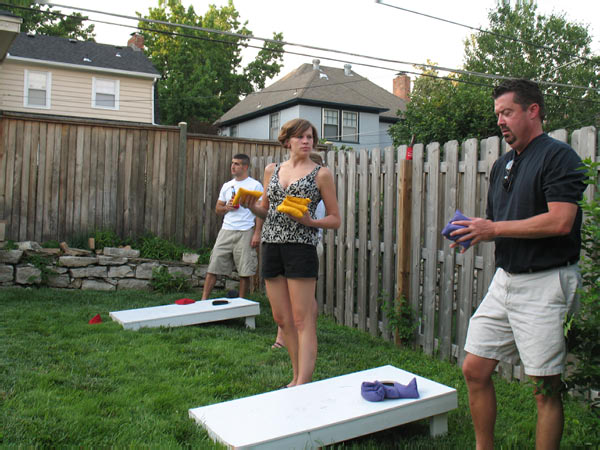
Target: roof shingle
81, 53
326, 86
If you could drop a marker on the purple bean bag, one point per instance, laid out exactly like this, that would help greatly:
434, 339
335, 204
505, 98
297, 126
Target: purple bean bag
449, 228
378, 390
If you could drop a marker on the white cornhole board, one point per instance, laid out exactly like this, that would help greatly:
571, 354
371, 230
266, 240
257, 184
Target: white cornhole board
181, 315
324, 412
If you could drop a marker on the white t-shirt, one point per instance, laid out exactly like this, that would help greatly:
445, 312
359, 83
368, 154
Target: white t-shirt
242, 218
319, 214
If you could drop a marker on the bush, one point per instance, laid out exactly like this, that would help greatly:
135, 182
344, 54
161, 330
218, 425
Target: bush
584, 335
153, 247
166, 283
106, 238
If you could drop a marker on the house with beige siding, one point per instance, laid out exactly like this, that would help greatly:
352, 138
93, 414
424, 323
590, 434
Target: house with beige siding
67, 77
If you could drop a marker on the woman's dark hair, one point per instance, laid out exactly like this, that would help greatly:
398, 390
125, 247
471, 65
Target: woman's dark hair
295, 128
526, 93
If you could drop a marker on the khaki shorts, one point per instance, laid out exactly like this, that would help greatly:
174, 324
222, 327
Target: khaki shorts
522, 316
233, 247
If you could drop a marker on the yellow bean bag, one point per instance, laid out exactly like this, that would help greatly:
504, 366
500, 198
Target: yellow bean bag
243, 193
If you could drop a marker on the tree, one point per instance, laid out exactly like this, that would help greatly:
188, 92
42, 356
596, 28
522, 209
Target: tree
548, 49
43, 19
202, 76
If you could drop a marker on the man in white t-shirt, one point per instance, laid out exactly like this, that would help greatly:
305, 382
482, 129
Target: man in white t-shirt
240, 234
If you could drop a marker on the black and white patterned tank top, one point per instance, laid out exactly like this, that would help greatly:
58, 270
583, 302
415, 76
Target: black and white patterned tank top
279, 228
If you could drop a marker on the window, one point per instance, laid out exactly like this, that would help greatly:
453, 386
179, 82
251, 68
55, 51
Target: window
233, 131
339, 125
331, 124
349, 126
105, 93
37, 89
274, 126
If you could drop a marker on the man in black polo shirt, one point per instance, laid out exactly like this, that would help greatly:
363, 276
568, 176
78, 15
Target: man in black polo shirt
535, 221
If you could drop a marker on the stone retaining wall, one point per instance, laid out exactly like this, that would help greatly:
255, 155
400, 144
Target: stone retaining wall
109, 270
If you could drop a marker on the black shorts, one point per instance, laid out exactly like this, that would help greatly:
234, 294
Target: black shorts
289, 260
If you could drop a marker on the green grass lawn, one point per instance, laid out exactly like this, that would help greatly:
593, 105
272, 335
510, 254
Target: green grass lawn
64, 382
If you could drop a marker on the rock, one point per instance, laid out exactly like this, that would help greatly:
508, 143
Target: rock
123, 252
120, 272
111, 260
133, 283
10, 256
90, 272
7, 273
144, 271
186, 271
77, 252
191, 258
200, 272
29, 245
50, 251
28, 275
59, 281
96, 285
77, 261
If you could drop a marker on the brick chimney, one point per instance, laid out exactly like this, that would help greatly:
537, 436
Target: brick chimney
402, 87
136, 41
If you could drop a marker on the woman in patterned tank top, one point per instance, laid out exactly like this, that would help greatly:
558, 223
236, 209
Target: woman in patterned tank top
289, 258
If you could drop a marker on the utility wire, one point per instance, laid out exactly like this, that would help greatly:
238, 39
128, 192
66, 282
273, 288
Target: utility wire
173, 33
311, 47
493, 33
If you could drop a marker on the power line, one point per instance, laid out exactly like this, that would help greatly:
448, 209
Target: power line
493, 33
174, 33
311, 47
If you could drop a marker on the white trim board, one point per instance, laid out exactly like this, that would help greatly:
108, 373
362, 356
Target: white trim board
323, 412
202, 311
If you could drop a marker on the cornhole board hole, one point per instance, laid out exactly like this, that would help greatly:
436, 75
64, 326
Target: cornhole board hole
324, 412
181, 315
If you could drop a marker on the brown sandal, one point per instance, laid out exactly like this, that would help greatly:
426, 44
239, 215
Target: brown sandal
277, 345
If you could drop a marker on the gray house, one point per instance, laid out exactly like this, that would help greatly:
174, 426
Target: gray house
346, 108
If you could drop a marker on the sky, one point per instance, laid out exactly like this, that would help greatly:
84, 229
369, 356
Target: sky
361, 27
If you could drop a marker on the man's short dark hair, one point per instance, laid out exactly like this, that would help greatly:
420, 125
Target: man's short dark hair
242, 157
526, 93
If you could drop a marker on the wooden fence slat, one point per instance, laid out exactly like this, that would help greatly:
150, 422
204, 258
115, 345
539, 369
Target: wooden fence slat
389, 216
329, 244
93, 179
340, 238
86, 164
349, 300
431, 239
362, 262
416, 232
4, 135
36, 183
465, 299
374, 250
99, 200
25, 173
447, 281
44, 206
9, 204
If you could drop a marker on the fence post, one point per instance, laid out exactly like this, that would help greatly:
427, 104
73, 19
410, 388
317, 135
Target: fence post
181, 182
403, 237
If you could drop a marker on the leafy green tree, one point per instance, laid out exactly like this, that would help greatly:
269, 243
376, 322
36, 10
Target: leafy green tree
548, 49
202, 72
43, 19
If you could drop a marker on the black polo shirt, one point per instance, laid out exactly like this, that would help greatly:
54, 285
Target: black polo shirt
546, 171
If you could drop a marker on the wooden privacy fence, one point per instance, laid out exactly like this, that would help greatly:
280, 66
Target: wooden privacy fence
366, 262
63, 178
60, 178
